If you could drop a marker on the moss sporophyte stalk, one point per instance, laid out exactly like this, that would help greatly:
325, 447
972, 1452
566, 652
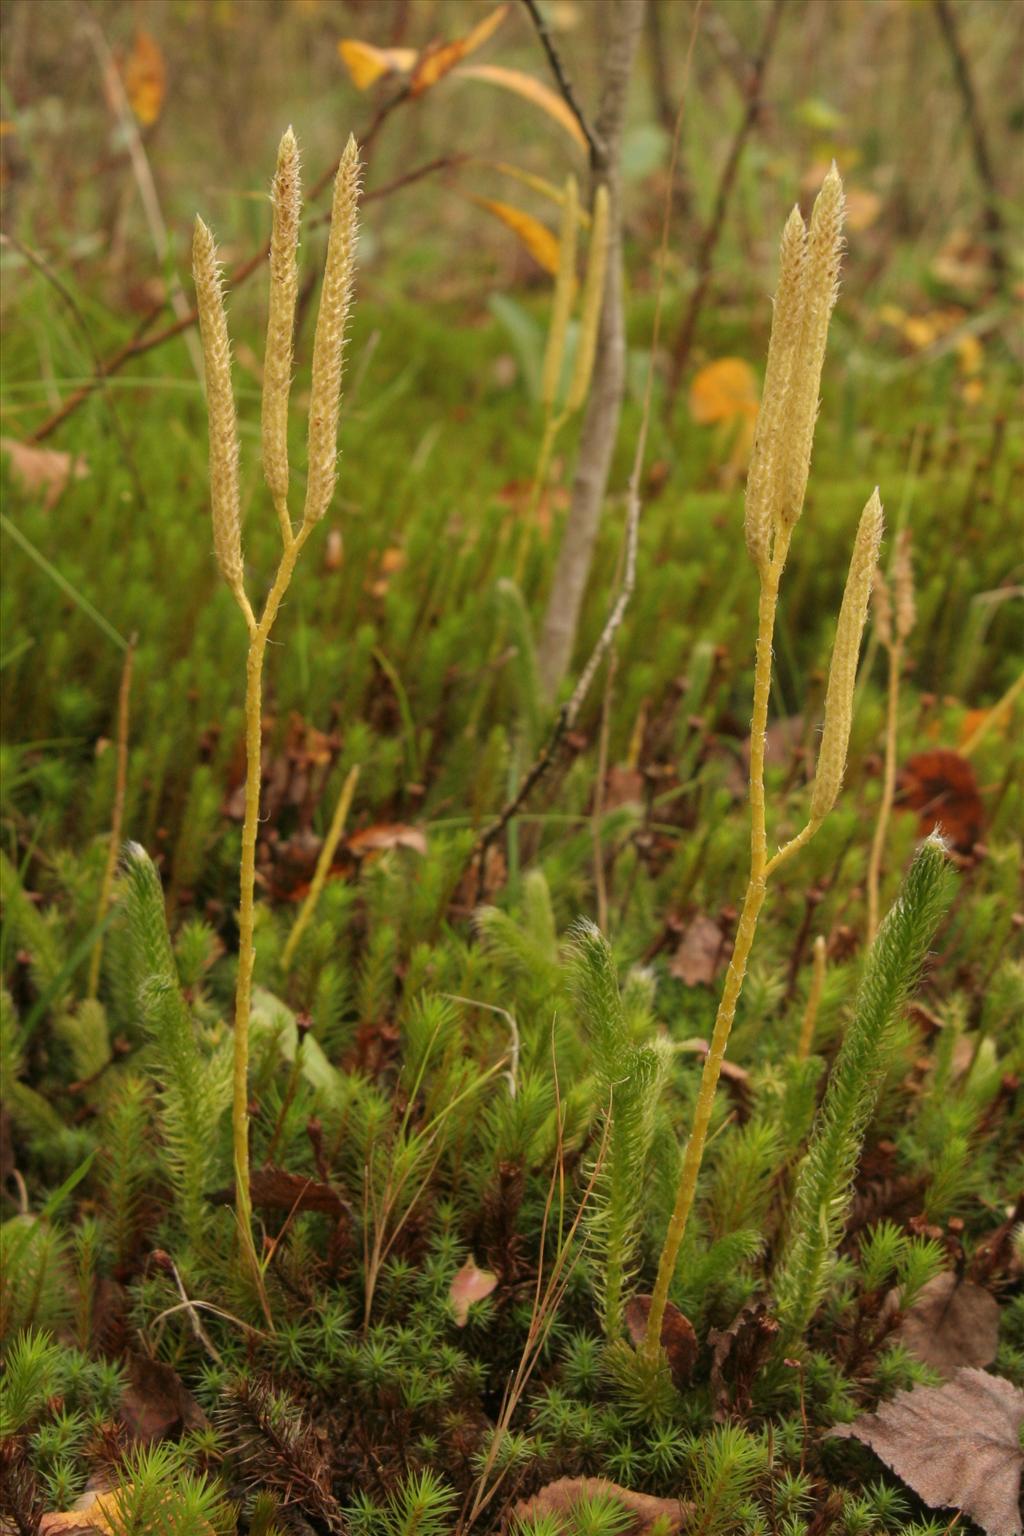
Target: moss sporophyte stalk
322, 452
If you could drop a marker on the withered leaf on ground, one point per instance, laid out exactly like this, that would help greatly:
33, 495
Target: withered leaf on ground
42, 469
156, 1402
385, 835
952, 1323
678, 1339
957, 1446
699, 956
469, 1285
558, 1500
942, 788
737, 1354
275, 1189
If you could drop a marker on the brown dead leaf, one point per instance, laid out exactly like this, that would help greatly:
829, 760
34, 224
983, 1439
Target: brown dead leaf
737, 1354
623, 786
952, 1323
699, 957
559, 1499
957, 1446
333, 549
43, 469
275, 1189
469, 1285
435, 63
384, 835
156, 1403
941, 786
678, 1339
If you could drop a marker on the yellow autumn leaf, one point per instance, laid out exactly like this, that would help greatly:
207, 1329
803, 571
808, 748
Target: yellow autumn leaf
367, 64
437, 62
970, 354
538, 239
145, 78
862, 208
723, 391
536, 184
531, 90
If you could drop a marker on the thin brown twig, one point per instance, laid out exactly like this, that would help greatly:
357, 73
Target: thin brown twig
141, 342
712, 233
562, 80
979, 141
569, 712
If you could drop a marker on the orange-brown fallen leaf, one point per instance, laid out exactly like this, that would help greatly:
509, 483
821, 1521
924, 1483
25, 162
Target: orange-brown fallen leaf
559, 1499
435, 63
145, 78
385, 835
678, 1339
942, 788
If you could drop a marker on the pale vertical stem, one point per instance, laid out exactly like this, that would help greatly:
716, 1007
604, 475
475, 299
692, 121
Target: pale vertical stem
745, 931
694, 1154
888, 788
117, 816
246, 903
810, 1017
246, 948
323, 865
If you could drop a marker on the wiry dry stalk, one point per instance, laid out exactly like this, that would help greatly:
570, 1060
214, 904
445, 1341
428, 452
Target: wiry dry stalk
894, 620
335, 304
806, 295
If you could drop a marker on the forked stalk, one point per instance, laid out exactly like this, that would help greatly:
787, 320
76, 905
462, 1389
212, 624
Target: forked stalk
776, 485
335, 304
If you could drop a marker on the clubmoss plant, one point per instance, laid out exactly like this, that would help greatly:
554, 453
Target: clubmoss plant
328, 350
894, 620
631, 1076
822, 1197
809, 270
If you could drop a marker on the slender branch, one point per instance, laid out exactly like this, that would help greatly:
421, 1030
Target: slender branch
712, 234
562, 80
567, 715
979, 142
142, 342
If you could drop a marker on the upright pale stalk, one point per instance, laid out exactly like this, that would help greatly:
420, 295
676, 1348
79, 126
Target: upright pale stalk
817, 987
808, 275
894, 620
323, 425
